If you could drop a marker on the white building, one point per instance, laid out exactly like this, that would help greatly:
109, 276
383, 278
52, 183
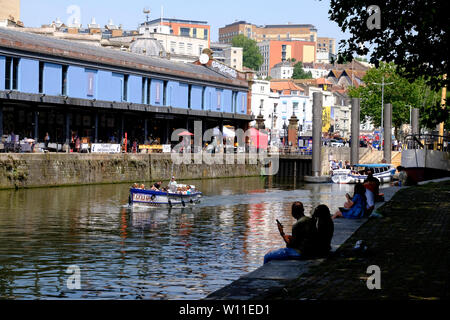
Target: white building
282, 70
231, 56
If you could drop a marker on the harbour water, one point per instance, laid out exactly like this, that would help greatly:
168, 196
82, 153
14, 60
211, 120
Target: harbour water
144, 253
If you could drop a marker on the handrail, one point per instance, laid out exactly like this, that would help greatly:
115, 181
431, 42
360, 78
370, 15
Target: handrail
427, 142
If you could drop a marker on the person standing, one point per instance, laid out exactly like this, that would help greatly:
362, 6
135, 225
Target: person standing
46, 140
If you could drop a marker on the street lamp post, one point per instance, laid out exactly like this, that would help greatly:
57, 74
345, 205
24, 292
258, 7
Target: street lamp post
382, 84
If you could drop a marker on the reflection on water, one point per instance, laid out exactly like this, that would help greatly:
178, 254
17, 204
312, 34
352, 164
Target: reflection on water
144, 253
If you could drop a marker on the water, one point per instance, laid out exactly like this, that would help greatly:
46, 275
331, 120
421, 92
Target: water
144, 253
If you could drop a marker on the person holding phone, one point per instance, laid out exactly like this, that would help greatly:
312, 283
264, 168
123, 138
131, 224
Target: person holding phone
301, 242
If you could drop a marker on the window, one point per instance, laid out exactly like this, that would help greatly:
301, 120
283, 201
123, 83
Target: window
157, 92
8, 73
64, 80
125, 88
185, 32
165, 93
173, 45
205, 34
194, 32
12, 73
189, 96
41, 77
219, 99
203, 98
144, 86
149, 86
181, 47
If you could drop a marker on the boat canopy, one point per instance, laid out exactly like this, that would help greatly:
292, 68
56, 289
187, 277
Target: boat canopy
376, 165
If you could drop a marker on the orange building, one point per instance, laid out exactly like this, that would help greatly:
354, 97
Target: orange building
275, 51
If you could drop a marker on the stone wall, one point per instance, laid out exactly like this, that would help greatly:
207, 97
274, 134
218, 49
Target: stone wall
51, 169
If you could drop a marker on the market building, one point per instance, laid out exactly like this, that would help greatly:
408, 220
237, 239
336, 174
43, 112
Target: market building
64, 88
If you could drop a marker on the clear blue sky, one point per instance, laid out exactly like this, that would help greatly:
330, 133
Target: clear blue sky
216, 13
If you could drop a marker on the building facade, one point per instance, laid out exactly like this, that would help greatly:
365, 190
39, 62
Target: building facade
179, 27
275, 51
304, 32
10, 10
282, 70
63, 88
231, 56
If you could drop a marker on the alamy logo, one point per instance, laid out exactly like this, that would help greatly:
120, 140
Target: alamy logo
74, 281
374, 281
374, 21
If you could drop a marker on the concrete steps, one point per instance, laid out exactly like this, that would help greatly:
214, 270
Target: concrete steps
396, 158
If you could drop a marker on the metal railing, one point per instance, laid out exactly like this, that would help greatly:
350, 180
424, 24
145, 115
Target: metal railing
427, 142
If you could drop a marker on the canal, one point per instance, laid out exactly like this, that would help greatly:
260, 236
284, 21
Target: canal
144, 253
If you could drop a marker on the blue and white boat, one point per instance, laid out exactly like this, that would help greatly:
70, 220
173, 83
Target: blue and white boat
155, 198
383, 172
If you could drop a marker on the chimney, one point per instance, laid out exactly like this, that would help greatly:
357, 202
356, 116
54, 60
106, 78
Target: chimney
93, 27
74, 27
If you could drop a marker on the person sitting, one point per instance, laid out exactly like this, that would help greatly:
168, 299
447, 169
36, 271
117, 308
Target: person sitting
300, 243
402, 177
156, 186
370, 197
375, 182
172, 185
135, 186
355, 207
325, 229
142, 187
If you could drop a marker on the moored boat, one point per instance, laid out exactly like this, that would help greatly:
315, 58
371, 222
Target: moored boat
383, 172
158, 198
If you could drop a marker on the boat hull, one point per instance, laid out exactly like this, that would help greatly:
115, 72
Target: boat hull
163, 199
345, 176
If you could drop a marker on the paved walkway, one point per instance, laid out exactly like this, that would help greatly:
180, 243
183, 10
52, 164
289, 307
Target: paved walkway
410, 244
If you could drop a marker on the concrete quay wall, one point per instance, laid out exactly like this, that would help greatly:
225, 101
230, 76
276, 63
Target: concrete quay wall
60, 169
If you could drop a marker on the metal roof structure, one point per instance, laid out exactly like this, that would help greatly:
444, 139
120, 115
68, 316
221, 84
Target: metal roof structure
26, 43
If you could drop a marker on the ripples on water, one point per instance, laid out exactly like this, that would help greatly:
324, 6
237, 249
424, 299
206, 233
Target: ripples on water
144, 253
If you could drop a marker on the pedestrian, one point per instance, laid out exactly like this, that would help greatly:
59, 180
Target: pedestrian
46, 140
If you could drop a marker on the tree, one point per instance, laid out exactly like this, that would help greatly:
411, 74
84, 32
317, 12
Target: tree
299, 73
411, 33
401, 94
251, 55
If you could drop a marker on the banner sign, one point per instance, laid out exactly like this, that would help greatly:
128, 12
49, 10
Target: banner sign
105, 148
167, 148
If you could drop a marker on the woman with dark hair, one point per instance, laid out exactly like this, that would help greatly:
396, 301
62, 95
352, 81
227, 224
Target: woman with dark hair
325, 230
354, 207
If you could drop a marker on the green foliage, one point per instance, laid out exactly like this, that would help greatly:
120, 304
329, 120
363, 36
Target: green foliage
251, 55
299, 73
401, 94
413, 35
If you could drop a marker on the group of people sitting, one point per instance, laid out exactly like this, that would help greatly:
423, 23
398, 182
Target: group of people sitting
311, 236
363, 201
172, 187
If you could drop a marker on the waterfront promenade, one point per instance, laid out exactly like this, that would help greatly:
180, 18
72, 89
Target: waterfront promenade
410, 244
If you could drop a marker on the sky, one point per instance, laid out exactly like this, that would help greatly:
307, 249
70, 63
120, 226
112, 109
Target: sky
216, 13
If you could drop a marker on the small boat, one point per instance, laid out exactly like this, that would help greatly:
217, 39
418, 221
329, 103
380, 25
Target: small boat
155, 198
383, 172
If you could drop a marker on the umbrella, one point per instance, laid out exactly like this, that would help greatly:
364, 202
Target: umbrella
185, 133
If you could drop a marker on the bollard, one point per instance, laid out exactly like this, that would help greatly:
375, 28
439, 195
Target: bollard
387, 132
317, 133
354, 146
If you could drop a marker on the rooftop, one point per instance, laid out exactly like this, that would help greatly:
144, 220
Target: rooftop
48, 46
